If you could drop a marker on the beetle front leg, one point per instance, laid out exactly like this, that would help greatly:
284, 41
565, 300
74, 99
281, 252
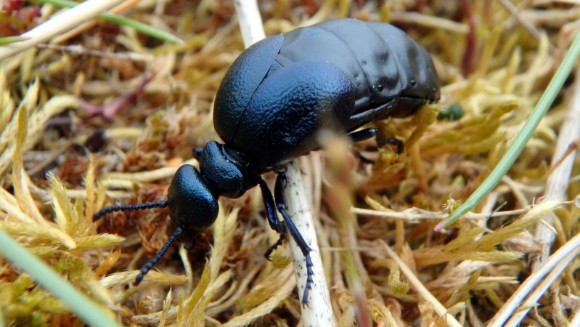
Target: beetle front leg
273, 220
381, 139
300, 241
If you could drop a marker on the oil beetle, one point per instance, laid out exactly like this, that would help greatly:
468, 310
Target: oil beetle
275, 100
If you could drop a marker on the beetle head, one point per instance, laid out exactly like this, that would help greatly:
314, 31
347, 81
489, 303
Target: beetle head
192, 207
191, 201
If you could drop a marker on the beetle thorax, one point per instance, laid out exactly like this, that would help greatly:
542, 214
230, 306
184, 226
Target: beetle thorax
225, 170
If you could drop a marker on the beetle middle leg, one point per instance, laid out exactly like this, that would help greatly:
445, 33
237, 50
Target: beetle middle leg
381, 139
273, 220
282, 226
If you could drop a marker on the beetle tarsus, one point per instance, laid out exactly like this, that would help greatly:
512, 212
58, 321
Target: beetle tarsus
381, 139
367, 133
274, 246
309, 279
398, 144
303, 247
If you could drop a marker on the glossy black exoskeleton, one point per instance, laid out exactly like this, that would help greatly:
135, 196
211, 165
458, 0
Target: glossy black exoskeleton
276, 99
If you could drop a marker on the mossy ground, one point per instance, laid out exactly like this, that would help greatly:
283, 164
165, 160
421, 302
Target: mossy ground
104, 114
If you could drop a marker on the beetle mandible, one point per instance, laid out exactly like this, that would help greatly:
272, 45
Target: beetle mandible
275, 100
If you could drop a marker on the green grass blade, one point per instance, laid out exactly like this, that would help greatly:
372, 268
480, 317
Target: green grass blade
523, 136
11, 39
89, 311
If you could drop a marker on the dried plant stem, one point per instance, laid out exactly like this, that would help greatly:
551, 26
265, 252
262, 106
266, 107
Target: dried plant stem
144, 177
318, 311
250, 21
540, 280
575, 322
420, 288
59, 24
559, 179
513, 10
428, 22
412, 214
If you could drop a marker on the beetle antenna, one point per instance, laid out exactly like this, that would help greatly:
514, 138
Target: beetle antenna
143, 206
178, 231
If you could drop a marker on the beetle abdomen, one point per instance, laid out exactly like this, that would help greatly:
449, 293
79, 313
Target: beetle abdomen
414, 63
382, 62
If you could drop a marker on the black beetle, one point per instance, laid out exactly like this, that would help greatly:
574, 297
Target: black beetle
276, 99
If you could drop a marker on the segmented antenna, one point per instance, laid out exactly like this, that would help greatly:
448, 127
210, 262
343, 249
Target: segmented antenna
178, 231
143, 206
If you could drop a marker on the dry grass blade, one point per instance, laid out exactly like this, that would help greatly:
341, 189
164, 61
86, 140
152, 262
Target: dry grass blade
194, 307
284, 286
52, 28
536, 284
559, 179
421, 289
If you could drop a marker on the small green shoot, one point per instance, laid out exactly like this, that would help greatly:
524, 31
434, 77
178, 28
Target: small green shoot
120, 20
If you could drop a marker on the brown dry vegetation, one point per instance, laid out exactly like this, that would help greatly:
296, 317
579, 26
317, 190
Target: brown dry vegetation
103, 114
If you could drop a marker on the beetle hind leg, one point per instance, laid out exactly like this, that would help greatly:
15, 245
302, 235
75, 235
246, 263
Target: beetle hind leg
295, 233
303, 247
381, 139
